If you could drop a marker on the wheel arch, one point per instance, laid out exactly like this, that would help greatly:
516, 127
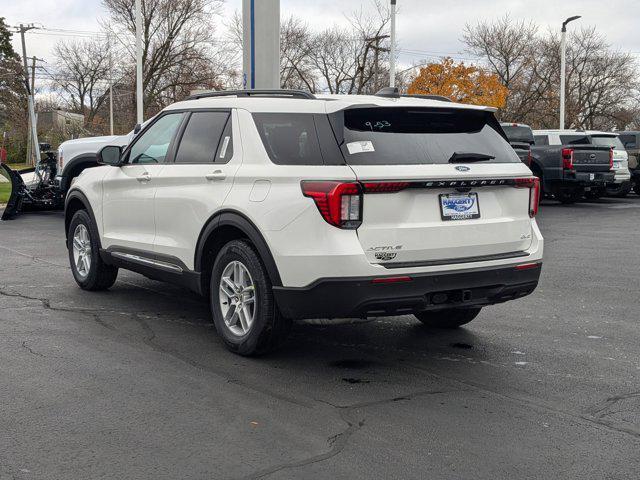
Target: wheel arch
74, 167
221, 228
76, 200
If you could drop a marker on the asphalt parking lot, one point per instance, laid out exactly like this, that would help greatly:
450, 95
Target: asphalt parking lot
134, 383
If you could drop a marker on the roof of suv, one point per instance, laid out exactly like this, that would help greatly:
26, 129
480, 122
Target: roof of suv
322, 103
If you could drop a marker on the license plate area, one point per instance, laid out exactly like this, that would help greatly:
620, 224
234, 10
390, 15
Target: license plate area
459, 206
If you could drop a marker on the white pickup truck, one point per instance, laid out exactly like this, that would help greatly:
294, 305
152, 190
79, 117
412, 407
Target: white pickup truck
74, 156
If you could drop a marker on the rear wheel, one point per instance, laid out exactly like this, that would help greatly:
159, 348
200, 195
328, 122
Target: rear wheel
242, 303
88, 269
450, 318
618, 190
568, 195
594, 194
636, 187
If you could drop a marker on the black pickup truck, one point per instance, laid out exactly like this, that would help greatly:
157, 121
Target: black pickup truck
567, 167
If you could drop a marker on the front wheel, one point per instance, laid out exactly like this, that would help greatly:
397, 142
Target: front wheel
449, 318
242, 303
88, 269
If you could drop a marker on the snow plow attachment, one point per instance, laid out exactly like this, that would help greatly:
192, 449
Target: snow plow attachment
11, 192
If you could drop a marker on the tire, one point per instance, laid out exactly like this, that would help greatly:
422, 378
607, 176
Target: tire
568, 195
619, 191
636, 187
593, 194
251, 330
99, 276
450, 318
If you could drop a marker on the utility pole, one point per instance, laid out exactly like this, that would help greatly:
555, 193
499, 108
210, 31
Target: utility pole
139, 89
563, 73
376, 56
32, 113
110, 89
392, 54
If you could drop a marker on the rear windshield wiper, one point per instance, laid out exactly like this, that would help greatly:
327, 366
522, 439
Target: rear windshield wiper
460, 157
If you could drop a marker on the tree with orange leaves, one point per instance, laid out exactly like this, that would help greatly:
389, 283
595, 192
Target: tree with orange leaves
461, 83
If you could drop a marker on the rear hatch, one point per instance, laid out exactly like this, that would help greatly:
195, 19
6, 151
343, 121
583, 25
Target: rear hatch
439, 185
586, 157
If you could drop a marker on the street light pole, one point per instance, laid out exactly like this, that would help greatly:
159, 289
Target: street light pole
392, 53
30, 98
563, 73
139, 90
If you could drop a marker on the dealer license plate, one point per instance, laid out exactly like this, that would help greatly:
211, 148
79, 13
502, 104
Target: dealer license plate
459, 206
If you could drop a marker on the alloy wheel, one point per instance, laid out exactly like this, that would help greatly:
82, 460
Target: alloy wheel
237, 295
82, 251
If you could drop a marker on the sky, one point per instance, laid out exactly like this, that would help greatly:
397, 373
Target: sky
426, 29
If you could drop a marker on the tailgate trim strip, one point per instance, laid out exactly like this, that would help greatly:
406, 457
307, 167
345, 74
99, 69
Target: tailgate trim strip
453, 261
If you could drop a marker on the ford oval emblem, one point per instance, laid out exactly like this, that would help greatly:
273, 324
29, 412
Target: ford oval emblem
462, 168
592, 156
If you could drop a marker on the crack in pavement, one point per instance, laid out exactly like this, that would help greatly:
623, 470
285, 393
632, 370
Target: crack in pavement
339, 441
31, 350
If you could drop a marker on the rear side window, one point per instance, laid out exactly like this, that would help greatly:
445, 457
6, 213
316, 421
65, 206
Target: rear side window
412, 136
518, 133
202, 136
574, 140
541, 140
289, 138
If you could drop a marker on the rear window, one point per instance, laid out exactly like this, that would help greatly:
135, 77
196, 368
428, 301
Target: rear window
628, 140
607, 141
518, 133
574, 140
541, 140
411, 136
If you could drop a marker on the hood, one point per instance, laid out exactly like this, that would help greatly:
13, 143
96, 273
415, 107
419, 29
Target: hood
104, 140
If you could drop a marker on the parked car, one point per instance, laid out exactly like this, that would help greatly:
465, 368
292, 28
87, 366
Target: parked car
631, 142
281, 205
521, 139
569, 165
621, 185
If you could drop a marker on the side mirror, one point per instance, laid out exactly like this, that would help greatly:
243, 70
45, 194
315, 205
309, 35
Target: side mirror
137, 129
110, 155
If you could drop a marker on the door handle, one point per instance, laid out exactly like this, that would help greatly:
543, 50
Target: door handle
216, 175
144, 177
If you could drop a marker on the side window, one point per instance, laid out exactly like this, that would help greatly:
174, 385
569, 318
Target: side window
541, 139
202, 137
629, 141
289, 138
152, 146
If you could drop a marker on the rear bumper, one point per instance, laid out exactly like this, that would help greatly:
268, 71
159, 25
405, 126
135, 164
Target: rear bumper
361, 297
587, 179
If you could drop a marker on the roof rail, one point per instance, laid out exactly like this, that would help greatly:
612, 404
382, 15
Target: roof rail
388, 92
442, 98
255, 93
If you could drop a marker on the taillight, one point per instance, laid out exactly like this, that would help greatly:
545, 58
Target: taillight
340, 204
611, 158
567, 158
533, 184
384, 187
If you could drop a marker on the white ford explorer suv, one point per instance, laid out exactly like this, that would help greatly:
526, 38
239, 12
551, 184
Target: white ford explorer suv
279, 205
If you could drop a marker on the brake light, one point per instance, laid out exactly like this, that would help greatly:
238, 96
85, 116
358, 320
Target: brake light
567, 158
340, 204
384, 187
533, 184
611, 158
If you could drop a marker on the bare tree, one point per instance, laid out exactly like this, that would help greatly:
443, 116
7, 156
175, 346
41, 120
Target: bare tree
178, 43
82, 73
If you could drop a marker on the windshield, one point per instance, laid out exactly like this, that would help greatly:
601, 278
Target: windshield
608, 141
411, 135
518, 133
